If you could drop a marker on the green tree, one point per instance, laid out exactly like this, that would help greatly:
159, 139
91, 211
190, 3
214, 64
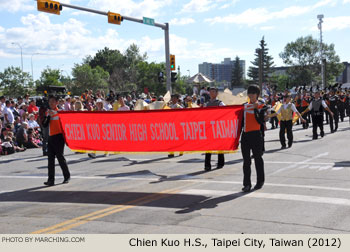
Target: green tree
237, 74
49, 77
253, 72
303, 56
85, 77
282, 81
14, 82
147, 77
122, 67
107, 59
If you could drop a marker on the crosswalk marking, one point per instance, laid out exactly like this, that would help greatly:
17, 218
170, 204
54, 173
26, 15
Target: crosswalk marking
276, 196
187, 179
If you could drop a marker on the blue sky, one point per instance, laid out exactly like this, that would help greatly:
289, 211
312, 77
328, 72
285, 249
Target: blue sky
200, 30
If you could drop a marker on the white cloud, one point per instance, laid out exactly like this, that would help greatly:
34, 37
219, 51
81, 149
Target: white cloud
182, 21
227, 5
186, 49
249, 17
198, 6
290, 12
252, 17
144, 8
346, 1
20, 5
17, 5
325, 3
334, 23
72, 39
267, 28
66, 40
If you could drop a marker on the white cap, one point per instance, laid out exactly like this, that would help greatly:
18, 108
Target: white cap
99, 100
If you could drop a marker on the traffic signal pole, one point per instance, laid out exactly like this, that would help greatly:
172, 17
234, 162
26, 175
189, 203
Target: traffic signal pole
165, 27
167, 58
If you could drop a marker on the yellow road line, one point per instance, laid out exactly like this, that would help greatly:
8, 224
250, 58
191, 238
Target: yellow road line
66, 225
69, 224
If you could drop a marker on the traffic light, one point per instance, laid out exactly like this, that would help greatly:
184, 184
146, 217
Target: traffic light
114, 18
173, 76
49, 6
172, 62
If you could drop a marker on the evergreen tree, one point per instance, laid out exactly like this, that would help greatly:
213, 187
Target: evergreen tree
237, 74
267, 60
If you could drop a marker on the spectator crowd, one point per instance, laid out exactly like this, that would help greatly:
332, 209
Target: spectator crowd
22, 117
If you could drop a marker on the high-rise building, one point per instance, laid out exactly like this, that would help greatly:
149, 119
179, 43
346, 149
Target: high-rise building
221, 72
345, 76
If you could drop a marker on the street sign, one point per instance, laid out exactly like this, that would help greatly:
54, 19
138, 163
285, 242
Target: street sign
148, 21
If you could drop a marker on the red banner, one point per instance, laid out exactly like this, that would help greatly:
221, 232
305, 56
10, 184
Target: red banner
213, 129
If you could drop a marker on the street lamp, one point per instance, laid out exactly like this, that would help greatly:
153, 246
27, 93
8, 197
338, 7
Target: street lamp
31, 63
13, 43
320, 17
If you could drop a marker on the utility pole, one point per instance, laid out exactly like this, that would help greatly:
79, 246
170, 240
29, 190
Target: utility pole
320, 17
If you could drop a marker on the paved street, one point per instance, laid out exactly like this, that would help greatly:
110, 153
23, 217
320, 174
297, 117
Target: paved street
307, 190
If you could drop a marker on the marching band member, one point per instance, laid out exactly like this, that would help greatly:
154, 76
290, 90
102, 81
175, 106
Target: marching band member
286, 110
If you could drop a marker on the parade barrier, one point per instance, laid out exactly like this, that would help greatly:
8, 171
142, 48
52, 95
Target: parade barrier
213, 129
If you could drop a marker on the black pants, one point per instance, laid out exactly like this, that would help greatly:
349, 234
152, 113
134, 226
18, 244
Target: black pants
274, 120
341, 110
347, 109
334, 119
327, 116
252, 141
221, 160
305, 116
262, 130
317, 122
286, 125
55, 149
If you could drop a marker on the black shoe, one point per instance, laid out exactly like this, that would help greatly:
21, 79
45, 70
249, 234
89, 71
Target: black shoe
219, 166
170, 155
258, 186
273, 128
290, 145
207, 168
45, 154
314, 138
246, 189
66, 181
283, 147
181, 155
332, 131
322, 134
49, 183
